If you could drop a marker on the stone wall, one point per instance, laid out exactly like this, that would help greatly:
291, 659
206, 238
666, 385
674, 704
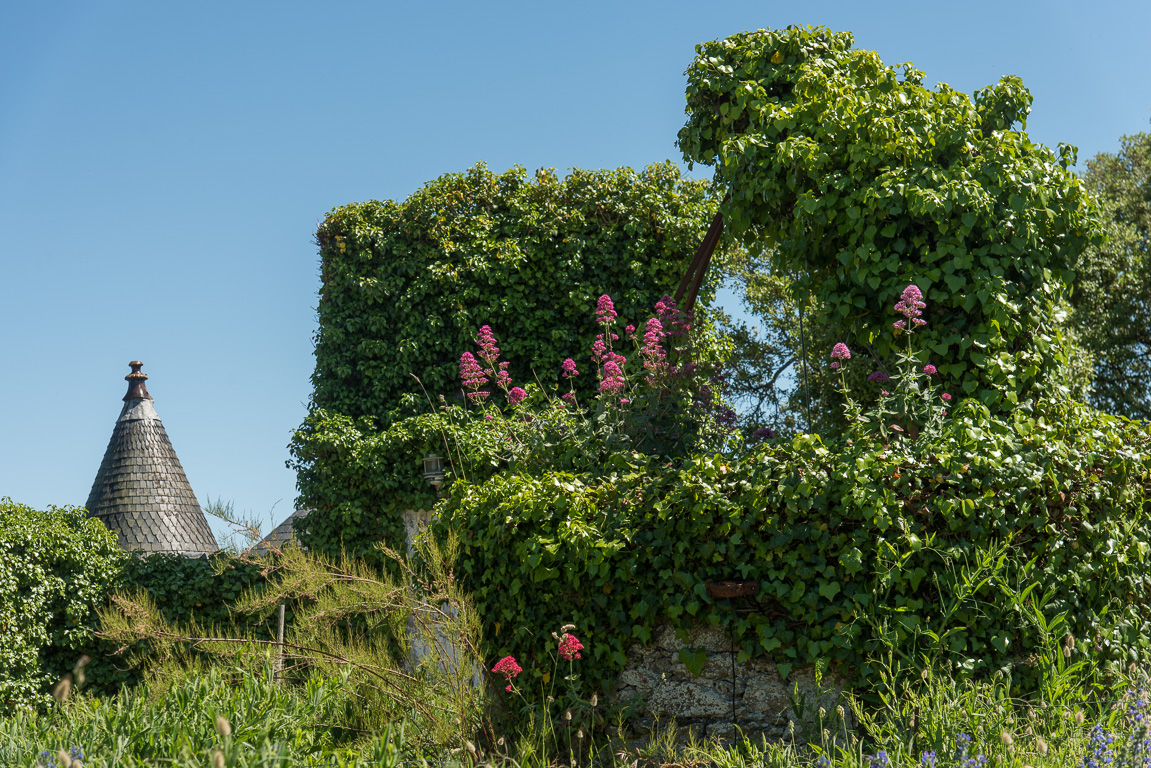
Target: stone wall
663, 689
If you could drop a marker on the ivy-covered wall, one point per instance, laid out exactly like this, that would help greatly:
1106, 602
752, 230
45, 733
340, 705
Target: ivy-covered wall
406, 285
943, 549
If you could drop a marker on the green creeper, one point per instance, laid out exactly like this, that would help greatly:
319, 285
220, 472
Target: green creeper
860, 181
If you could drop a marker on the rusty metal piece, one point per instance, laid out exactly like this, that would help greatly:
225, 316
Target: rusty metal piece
698, 269
728, 589
137, 390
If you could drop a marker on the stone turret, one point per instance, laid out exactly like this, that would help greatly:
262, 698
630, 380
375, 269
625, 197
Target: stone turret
141, 492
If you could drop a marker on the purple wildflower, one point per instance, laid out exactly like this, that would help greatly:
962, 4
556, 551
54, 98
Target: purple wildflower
911, 306
605, 310
569, 396
478, 397
471, 373
878, 377
489, 352
840, 352
612, 378
652, 352
834, 364
929, 369
516, 395
503, 378
569, 368
762, 433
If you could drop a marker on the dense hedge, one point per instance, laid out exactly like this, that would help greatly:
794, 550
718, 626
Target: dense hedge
56, 569
861, 180
857, 548
405, 287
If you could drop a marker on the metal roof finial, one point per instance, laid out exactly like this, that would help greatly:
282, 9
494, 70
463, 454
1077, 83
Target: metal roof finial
137, 390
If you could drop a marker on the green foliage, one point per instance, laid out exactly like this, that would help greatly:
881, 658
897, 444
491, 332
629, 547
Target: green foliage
1112, 293
857, 178
193, 589
54, 576
407, 285
927, 549
268, 725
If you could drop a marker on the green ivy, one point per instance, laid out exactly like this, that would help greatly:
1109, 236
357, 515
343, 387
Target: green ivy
406, 285
56, 569
924, 549
861, 180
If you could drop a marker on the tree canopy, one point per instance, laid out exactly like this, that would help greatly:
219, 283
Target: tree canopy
857, 180
1112, 293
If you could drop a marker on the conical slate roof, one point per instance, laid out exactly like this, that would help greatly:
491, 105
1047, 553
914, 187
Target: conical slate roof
141, 492
282, 535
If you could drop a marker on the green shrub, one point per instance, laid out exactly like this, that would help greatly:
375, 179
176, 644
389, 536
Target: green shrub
56, 570
860, 180
405, 287
924, 549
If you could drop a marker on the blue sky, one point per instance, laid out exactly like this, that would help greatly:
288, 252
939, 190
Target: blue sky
163, 168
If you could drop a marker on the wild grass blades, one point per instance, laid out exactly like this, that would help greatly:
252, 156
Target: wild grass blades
404, 647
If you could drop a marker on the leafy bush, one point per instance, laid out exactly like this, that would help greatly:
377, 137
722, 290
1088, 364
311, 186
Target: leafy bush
858, 178
405, 286
944, 549
55, 569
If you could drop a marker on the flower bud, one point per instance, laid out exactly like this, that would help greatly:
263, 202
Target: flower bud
594, 700
64, 758
1079, 717
223, 727
217, 759
1005, 737
1041, 746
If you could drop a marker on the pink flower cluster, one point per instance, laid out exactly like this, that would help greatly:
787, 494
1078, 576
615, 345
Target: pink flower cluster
911, 306
652, 352
516, 395
507, 667
673, 320
570, 646
839, 352
569, 368
613, 381
605, 310
473, 377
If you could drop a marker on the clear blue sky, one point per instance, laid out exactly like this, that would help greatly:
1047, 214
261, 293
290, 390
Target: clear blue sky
163, 167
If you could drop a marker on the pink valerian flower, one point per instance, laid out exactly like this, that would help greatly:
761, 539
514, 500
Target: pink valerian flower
516, 395
946, 397
613, 381
878, 377
884, 392
598, 349
652, 352
840, 352
629, 330
569, 368
929, 369
489, 352
911, 306
478, 397
569, 396
570, 647
834, 364
605, 310
471, 373
503, 378
673, 320
507, 667
624, 401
